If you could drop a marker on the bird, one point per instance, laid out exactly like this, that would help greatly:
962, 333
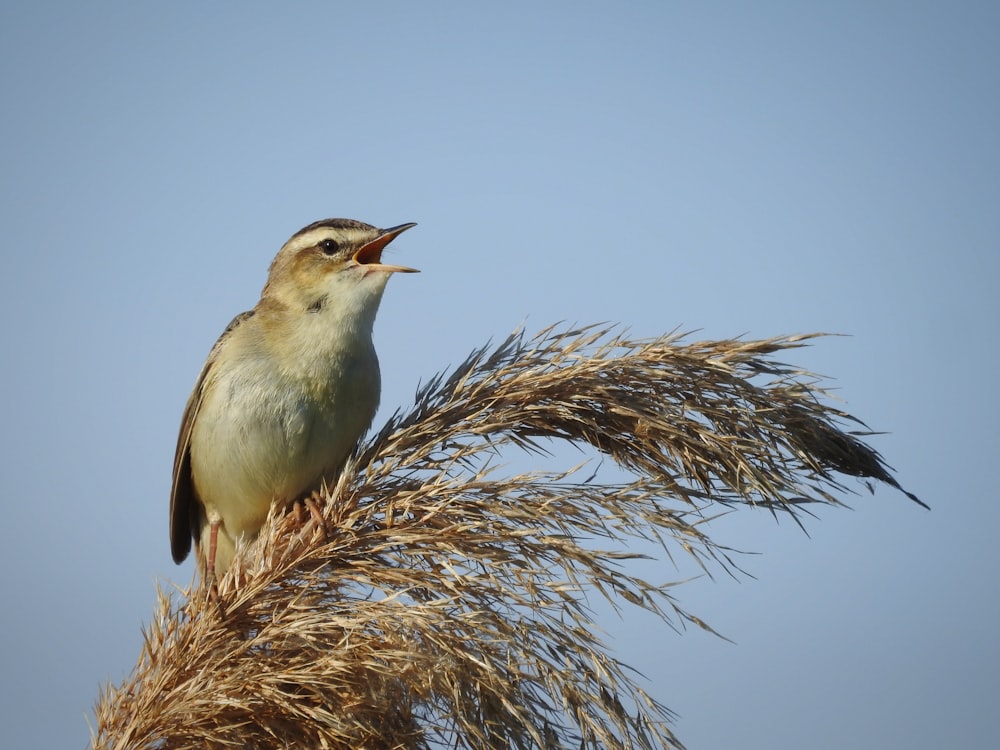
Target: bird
286, 392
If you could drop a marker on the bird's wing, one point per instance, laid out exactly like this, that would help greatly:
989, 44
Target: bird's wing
182, 493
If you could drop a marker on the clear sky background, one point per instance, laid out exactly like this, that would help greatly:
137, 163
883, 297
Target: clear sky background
736, 168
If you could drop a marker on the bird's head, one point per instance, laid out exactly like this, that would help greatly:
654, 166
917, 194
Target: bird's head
333, 264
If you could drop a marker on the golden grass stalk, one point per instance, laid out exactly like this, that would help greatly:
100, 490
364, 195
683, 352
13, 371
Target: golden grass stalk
436, 601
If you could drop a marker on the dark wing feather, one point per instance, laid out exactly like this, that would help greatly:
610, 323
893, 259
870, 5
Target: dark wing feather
183, 498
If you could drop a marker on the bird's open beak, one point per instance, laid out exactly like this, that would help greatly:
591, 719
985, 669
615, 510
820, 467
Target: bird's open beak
371, 254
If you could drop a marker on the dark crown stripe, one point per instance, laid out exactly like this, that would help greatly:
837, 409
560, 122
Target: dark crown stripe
332, 224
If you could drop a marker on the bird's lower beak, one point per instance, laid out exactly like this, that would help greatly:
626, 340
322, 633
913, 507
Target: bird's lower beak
371, 254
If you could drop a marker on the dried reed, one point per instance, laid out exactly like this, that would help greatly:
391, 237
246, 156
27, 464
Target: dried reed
436, 601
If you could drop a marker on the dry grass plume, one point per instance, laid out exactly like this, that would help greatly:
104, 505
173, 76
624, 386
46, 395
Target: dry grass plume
434, 600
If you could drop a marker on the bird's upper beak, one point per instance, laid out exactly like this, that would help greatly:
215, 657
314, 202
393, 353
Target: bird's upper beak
370, 254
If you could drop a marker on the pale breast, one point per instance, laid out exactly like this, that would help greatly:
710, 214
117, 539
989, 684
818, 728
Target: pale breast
263, 436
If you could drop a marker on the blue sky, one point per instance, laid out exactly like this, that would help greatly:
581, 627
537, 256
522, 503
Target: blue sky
765, 169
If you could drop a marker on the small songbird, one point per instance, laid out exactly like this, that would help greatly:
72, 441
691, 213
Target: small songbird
286, 392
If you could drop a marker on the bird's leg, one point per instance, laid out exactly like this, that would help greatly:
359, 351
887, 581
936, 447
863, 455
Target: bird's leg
213, 586
213, 539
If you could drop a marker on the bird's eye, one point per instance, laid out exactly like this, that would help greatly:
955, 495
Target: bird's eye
329, 247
